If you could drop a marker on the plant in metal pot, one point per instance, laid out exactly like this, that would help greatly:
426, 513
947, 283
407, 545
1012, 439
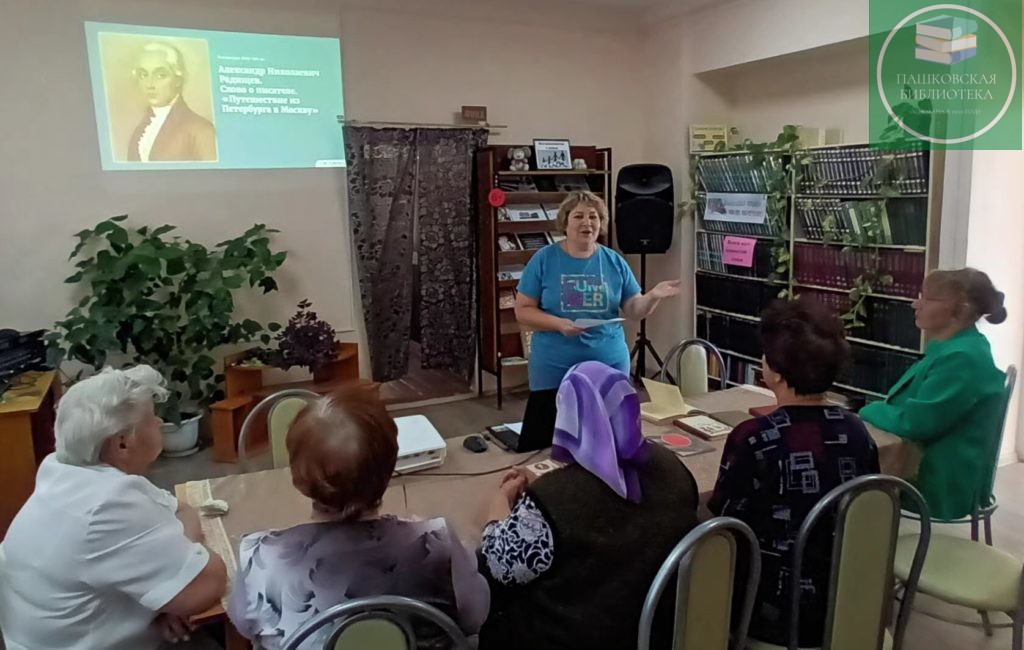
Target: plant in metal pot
157, 298
306, 341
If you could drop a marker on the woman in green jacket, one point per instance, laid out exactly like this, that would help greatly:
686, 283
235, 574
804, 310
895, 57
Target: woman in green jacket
951, 401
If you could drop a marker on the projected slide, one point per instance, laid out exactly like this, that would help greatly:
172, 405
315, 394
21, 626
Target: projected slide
189, 99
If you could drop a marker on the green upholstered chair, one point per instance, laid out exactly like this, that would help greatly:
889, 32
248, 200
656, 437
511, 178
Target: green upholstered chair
704, 567
867, 522
377, 623
283, 407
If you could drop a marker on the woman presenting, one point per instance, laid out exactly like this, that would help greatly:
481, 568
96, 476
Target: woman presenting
579, 278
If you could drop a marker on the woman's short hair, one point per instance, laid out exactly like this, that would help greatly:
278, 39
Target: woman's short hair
972, 288
805, 343
342, 450
104, 405
576, 199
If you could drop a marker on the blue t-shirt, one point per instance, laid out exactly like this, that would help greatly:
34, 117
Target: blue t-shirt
571, 287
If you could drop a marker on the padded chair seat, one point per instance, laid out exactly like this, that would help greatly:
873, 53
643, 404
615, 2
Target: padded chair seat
962, 572
754, 644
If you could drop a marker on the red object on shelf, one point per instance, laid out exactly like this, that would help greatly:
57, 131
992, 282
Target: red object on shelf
496, 198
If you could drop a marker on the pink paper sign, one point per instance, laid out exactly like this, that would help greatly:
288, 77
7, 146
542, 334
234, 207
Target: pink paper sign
739, 251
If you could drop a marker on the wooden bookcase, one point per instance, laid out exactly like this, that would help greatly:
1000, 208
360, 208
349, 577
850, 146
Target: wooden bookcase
830, 190
499, 336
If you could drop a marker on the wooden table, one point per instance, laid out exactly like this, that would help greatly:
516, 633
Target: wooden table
457, 490
26, 437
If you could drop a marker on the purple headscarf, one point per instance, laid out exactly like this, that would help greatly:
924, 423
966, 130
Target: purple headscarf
598, 426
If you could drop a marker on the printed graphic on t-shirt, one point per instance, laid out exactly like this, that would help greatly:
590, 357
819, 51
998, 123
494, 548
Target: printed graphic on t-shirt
583, 293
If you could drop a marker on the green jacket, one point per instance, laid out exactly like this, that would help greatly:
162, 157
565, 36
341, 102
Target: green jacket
950, 402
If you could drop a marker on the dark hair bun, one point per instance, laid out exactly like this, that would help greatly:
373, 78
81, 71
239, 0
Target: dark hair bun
996, 310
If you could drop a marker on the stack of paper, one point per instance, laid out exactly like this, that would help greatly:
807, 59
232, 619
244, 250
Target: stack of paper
946, 40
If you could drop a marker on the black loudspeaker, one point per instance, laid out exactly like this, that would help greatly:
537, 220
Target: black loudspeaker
644, 208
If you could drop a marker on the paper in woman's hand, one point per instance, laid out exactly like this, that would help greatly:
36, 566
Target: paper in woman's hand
587, 323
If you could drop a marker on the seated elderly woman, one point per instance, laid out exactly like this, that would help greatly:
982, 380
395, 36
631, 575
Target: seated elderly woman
572, 554
776, 467
343, 449
99, 557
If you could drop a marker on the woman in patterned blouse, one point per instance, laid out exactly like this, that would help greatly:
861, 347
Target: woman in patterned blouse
571, 555
343, 450
775, 468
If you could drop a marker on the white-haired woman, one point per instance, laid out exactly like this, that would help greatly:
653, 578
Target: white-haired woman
170, 130
579, 278
99, 556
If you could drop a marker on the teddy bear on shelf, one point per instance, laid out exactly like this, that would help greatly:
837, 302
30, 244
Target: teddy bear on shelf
520, 157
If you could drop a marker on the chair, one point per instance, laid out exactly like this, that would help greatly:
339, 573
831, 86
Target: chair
984, 505
695, 380
861, 587
705, 564
284, 406
378, 622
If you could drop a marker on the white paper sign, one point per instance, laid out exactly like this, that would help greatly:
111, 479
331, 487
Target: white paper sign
586, 323
738, 208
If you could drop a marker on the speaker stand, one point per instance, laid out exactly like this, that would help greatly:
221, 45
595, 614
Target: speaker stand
643, 344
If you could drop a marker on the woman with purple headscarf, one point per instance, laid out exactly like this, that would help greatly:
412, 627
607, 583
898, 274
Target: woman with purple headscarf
570, 556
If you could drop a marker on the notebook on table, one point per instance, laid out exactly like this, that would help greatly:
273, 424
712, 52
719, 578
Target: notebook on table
704, 426
666, 403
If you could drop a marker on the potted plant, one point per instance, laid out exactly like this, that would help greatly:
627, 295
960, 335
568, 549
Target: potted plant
306, 341
163, 300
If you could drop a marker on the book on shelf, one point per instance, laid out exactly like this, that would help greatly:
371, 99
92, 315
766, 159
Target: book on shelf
737, 173
508, 242
838, 268
731, 335
765, 229
523, 212
510, 272
903, 222
851, 171
557, 237
517, 184
734, 295
572, 183
550, 211
710, 257
532, 241
506, 299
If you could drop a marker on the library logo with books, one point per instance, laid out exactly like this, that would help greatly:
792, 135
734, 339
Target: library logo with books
945, 76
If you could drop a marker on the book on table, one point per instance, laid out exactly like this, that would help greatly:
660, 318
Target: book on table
666, 403
704, 426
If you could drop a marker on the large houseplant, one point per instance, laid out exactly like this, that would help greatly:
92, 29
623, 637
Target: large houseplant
157, 298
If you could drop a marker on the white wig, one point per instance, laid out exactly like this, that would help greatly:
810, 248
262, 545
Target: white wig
175, 61
104, 405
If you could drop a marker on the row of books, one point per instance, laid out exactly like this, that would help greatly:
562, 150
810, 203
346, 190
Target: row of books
863, 187
904, 221
730, 334
567, 183
735, 296
887, 321
861, 162
710, 248
874, 369
741, 371
527, 241
830, 266
737, 173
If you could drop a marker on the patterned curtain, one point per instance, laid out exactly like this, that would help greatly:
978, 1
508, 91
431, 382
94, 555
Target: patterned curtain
381, 172
447, 251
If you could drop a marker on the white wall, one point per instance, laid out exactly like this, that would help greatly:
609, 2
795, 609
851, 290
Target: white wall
995, 244
544, 72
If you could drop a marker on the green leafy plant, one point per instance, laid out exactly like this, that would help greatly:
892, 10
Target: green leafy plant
160, 299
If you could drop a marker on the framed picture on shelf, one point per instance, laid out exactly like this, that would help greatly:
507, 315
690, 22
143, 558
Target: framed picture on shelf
509, 242
525, 213
552, 154
533, 241
507, 299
